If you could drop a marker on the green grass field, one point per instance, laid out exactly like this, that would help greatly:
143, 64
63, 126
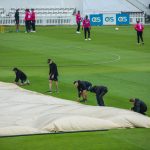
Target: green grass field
111, 58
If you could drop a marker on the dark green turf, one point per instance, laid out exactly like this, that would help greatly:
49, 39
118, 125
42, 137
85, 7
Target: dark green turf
122, 139
111, 58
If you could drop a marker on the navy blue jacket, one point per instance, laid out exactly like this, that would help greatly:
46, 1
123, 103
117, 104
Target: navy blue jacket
53, 69
139, 106
20, 76
83, 85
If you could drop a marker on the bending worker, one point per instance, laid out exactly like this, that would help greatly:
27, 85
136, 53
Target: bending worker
138, 105
20, 76
83, 87
100, 91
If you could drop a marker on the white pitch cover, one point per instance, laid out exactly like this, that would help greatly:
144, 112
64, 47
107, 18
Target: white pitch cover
25, 112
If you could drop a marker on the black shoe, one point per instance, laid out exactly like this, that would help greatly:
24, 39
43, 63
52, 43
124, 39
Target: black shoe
84, 100
48, 91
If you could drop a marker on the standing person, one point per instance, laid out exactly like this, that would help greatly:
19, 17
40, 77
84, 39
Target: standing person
33, 20
139, 28
138, 105
87, 27
78, 21
83, 87
17, 20
20, 76
27, 20
53, 75
100, 91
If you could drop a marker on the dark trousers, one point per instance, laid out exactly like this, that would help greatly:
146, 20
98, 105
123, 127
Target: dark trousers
141, 111
86, 30
139, 36
33, 25
28, 25
78, 26
99, 97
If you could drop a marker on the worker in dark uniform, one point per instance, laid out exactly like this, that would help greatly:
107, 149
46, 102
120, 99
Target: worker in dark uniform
83, 87
53, 75
138, 106
17, 20
100, 91
20, 76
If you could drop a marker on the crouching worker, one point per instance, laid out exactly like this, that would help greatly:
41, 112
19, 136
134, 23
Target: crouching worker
100, 91
20, 76
138, 106
83, 87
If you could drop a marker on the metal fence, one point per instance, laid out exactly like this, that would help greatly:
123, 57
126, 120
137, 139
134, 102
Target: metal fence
43, 20
137, 16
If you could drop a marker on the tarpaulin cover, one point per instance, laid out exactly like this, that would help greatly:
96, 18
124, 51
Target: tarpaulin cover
26, 112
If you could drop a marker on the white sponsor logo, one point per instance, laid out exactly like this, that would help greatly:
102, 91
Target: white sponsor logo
122, 19
96, 19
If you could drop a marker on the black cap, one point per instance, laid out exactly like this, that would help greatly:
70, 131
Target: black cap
75, 82
15, 69
48, 61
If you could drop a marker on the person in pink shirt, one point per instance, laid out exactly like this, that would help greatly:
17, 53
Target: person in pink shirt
27, 20
87, 27
33, 20
78, 21
139, 28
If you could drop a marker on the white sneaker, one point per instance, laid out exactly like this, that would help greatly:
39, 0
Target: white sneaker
78, 32
89, 39
27, 82
85, 39
50, 91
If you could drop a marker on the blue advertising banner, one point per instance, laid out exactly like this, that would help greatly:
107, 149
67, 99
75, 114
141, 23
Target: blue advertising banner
96, 19
122, 19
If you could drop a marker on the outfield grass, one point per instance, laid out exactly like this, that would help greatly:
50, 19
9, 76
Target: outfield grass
111, 58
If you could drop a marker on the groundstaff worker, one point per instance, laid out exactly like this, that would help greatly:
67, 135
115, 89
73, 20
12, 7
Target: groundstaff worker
20, 76
82, 87
100, 91
138, 105
53, 75
139, 28
17, 20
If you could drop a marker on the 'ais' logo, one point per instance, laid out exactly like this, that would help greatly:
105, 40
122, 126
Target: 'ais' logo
122, 19
109, 19
96, 19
